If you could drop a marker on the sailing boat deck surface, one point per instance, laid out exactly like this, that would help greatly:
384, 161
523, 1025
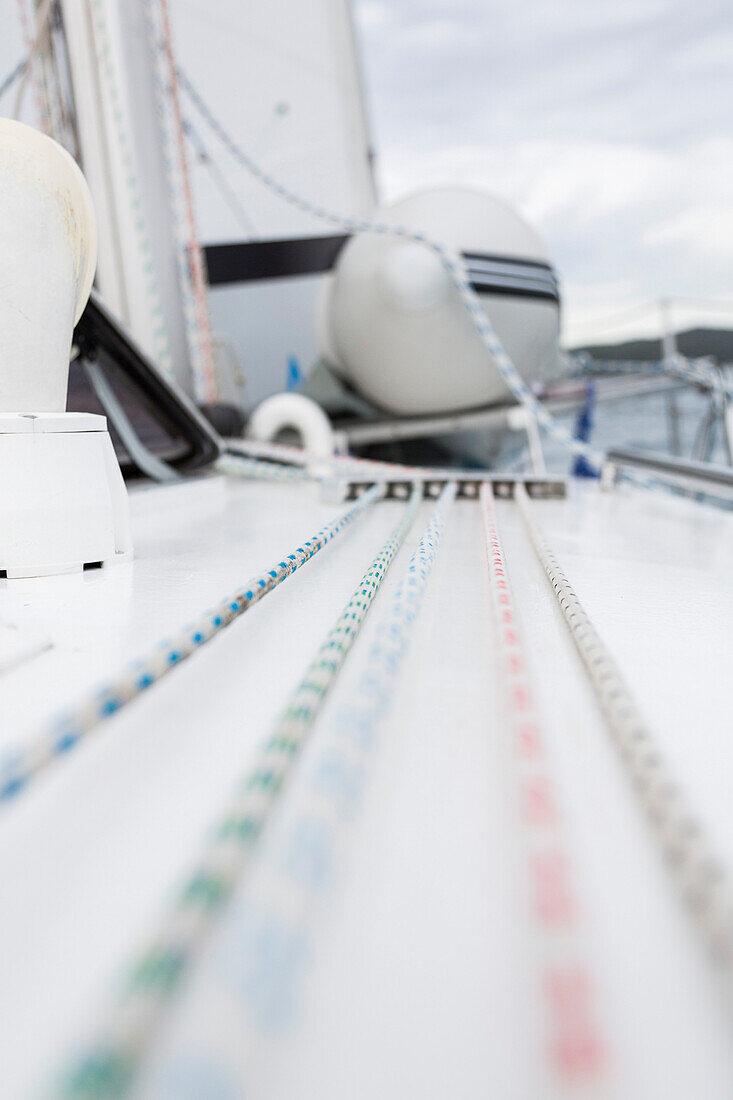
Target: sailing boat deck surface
416, 968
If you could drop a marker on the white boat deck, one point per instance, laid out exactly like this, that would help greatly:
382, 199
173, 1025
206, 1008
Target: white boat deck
410, 972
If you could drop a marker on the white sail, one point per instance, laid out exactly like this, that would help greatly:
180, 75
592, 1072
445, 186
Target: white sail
283, 79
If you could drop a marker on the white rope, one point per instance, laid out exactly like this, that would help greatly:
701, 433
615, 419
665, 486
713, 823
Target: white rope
189, 257
576, 1046
698, 875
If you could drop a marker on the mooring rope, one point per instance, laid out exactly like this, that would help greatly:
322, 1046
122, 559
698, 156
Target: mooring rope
451, 262
63, 733
577, 1050
108, 1070
698, 874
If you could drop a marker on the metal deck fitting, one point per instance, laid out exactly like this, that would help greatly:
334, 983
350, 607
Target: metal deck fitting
538, 488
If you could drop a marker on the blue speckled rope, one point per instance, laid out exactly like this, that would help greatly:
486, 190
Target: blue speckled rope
65, 731
107, 1071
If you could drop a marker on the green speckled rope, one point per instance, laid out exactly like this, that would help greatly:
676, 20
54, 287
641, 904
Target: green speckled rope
107, 1071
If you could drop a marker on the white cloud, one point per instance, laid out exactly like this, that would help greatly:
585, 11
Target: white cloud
606, 124
706, 230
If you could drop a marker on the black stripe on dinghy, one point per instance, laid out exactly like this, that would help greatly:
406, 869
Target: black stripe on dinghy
254, 261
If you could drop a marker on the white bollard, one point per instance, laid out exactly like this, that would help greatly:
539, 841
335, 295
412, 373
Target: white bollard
63, 503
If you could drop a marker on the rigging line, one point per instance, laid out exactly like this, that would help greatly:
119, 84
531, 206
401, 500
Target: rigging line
189, 254
452, 263
205, 158
620, 317
34, 44
576, 1048
13, 75
698, 372
63, 733
114, 1059
697, 873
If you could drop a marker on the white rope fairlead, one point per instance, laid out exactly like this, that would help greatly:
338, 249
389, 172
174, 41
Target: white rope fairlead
575, 1047
64, 732
189, 255
451, 262
698, 874
100, 28
107, 1072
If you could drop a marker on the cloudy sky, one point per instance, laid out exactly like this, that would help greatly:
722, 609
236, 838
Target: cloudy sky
609, 124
